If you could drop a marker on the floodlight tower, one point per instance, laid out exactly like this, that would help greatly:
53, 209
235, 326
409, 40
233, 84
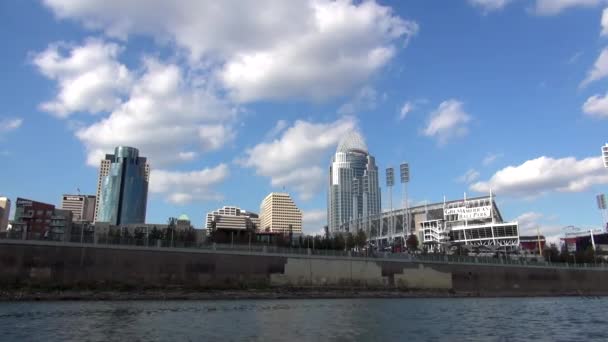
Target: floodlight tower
601, 205
390, 181
405, 179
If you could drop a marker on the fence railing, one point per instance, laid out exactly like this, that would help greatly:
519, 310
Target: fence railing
255, 247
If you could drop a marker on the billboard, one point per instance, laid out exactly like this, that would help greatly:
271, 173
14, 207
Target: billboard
465, 213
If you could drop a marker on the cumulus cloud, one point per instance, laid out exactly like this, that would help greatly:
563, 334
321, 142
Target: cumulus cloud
89, 78
596, 106
599, 70
447, 122
266, 49
553, 7
166, 116
543, 175
469, 177
294, 159
314, 220
181, 187
8, 125
489, 5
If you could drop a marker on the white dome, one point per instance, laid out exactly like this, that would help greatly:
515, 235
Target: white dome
352, 142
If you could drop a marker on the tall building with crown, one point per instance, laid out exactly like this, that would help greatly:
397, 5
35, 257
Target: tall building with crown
354, 191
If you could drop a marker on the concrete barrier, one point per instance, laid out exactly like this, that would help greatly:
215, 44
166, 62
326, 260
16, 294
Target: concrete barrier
73, 265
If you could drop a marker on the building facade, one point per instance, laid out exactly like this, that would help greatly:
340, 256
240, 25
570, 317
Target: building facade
279, 213
81, 206
232, 218
5, 211
354, 191
122, 187
471, 222
36, 220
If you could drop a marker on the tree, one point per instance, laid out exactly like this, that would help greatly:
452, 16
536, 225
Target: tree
350, 241
412, 242
360, 238
551, 254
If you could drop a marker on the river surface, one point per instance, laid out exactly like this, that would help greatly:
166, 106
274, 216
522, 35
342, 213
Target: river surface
476, 319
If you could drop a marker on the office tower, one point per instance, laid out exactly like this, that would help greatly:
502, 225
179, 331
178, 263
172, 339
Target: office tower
279, 213
353, 191
5, 211
122, 190
81, 206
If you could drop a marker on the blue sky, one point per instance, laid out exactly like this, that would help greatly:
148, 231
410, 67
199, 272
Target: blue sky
235, 100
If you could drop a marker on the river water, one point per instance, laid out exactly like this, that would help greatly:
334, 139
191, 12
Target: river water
466, 319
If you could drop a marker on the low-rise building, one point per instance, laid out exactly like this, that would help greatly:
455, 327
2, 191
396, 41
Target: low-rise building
37, 220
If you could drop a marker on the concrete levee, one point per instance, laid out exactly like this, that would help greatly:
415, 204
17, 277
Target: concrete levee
69, 265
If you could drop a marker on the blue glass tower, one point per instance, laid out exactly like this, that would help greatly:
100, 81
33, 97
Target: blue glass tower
123, 187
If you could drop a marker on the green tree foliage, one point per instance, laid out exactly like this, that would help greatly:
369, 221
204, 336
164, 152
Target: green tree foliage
412, 242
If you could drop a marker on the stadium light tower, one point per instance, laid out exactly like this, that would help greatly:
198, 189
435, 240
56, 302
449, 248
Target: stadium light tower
390, 181
405, 179
605, 155
601, 205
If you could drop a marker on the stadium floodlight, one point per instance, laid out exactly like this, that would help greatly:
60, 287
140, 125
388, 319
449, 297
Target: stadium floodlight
405, 172
605, 155
390, 177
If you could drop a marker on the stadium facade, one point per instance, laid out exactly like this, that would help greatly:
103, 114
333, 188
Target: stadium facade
472, 222
354, 192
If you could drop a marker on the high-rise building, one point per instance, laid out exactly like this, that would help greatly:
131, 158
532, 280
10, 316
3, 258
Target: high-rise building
353, 191
122, 190
5, 211
81, 206
279, 213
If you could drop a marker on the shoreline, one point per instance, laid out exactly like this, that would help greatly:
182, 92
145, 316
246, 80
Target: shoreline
30, 294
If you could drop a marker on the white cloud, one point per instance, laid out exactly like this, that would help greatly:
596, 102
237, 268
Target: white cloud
529, 222
405, 110
553, 7
604, 22
183, 187
165, 115
447, 122
543, 175
490, 158
596, 106
294, 160
469, 177
365, 99
278, 128
89, 77
599, 70
8, 125
314, 220
489, 5
265, 49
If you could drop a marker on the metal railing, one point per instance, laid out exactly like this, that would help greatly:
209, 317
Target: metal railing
259, 248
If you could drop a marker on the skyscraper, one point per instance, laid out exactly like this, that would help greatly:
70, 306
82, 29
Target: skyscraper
279, 213
122, 191
5, 211
353, 191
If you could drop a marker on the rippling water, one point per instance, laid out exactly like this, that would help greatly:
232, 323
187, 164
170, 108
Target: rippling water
487, 319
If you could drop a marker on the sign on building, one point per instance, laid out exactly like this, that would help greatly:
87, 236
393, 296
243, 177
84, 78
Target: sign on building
465, 213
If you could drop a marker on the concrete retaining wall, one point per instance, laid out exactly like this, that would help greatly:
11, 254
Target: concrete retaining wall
48, 264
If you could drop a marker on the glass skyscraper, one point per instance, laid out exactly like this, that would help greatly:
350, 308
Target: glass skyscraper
123, 187
353, 191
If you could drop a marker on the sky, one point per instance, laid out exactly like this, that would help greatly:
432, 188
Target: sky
232, 100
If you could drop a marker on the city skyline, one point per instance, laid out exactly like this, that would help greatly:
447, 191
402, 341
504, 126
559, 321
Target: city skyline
475, 96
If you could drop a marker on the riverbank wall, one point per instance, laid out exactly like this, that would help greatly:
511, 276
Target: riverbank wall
55, 265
